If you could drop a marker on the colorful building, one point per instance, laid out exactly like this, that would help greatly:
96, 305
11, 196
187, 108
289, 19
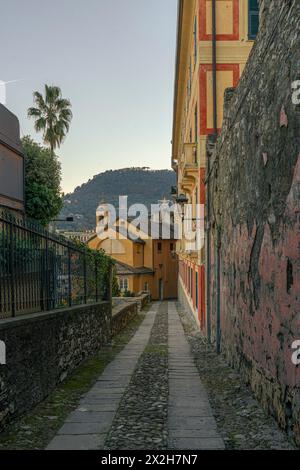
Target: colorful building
143, 262
214, 39
82, 237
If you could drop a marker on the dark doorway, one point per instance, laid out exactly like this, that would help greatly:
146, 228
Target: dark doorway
161, 289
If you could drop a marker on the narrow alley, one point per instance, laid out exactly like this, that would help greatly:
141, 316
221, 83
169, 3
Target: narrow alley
151, 396
150, 229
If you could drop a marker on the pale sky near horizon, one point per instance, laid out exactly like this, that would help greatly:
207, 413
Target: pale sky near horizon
114, 59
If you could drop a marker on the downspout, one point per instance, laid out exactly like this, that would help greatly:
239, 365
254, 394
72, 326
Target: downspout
218, 293
214, 62
215, 118
207, 277
215, 132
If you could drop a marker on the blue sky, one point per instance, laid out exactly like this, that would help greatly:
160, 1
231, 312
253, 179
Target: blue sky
114, 59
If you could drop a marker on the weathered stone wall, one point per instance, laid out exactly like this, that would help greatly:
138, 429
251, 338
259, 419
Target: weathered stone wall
254, 187
122, 315
42, 349
142, 300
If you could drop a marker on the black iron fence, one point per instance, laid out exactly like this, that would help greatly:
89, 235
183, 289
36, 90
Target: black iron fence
40, 271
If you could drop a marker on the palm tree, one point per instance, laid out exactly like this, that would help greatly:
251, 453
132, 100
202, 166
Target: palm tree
52, 115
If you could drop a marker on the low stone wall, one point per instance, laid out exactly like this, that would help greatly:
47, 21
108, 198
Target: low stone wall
141, 300
144, 300
122, 314
43, 349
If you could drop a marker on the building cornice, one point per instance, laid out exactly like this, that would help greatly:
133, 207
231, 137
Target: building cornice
184, 25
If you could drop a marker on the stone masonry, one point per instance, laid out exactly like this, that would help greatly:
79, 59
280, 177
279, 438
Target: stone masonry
149, 397
43, 349
254, 187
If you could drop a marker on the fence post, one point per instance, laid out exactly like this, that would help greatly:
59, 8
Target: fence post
85, 278
69, 277
47, 274
12, 267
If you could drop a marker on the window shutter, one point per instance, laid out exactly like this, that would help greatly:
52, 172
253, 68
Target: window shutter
253, 18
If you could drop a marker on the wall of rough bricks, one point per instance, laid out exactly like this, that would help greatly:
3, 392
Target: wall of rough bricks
43, 349
254, 187
122, 315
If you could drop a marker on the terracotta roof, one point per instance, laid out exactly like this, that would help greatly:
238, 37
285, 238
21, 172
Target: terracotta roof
129, 235
156, 229
126, 270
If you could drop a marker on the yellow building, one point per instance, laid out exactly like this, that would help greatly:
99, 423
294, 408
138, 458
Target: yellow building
142, 263
214, 39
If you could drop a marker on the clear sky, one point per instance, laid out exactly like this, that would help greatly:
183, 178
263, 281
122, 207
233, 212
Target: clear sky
114, 59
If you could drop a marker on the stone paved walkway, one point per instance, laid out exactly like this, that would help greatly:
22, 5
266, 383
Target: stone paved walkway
191, 424
141, 420
188, 419
87, 427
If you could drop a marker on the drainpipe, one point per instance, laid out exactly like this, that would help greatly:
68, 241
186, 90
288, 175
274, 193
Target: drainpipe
218, 293
215, 124
207, 246
214, 63
210, 146
211, 141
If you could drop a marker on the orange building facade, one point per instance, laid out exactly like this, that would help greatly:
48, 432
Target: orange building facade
143, 263
214, 39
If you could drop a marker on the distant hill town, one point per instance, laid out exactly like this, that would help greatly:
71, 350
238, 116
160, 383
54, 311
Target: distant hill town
141, 185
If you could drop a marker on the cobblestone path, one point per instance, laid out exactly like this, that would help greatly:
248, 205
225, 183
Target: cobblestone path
191, 424
138, 403
87, 427
141, 421
155, 396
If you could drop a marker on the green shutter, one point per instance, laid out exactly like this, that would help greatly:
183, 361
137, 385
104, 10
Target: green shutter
253, 18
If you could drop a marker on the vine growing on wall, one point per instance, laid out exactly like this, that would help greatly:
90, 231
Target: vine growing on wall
105, 263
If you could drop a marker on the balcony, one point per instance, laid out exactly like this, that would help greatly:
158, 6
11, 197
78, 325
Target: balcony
189, 164
190, 154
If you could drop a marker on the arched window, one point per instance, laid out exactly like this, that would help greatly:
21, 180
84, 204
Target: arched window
253, 7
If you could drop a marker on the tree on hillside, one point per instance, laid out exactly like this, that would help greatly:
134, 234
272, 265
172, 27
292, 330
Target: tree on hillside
42, 182
53, 116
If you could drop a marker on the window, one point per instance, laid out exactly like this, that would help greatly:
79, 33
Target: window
253, 18
196, 125
159, 247
189, 84
146, 287
196, 290
191, 78
171, 246
195, 41
123, 282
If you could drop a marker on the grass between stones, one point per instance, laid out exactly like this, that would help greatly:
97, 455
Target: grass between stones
141, 420
36, 429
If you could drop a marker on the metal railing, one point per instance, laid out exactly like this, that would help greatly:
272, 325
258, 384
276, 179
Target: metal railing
40, 271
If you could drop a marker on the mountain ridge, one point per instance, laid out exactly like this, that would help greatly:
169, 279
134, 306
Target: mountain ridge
142, 185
